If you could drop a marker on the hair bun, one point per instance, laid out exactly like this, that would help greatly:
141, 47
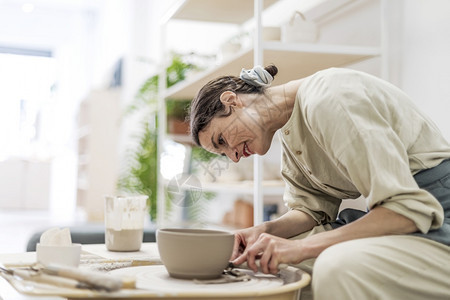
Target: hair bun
272, 70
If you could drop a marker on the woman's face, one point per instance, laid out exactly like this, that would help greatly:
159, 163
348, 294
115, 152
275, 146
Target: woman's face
240, 134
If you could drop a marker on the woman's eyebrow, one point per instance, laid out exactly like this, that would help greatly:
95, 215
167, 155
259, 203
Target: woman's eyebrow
214, 143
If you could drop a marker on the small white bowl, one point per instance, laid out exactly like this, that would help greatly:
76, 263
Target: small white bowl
61, 255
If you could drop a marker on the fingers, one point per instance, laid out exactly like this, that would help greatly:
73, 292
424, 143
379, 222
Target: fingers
269, 261
259, 250
240, 259
252, 254
237, 247
263, 255
264, 261
249, 257
273, 266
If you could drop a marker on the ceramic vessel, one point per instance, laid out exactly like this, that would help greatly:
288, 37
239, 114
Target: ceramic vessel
194, 253
124, 222
299, 30
67, 255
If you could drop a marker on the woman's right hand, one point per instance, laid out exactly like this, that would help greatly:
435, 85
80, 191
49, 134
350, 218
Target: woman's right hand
244, 238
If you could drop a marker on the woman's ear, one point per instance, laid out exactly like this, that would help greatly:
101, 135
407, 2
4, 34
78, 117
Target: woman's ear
229, 98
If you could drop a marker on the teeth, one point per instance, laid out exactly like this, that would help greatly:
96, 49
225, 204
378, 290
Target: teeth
246, 152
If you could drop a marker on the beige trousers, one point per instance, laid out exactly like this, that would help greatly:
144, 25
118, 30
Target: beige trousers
388, 267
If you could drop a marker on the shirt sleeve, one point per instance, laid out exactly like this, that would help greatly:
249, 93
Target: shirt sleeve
359, 133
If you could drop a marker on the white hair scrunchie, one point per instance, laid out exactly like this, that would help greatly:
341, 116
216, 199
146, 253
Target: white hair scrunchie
256, 76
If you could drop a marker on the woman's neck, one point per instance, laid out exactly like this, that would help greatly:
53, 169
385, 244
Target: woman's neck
283, 99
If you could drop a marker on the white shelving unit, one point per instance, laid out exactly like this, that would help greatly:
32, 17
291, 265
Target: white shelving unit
268, 188
97, 155
294, 60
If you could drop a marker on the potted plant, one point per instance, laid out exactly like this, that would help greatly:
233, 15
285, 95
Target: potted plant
177, 116
140, 174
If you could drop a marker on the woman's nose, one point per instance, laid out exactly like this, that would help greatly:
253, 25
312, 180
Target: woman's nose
233, 154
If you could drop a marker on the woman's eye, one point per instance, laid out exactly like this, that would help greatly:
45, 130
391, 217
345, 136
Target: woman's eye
221, 140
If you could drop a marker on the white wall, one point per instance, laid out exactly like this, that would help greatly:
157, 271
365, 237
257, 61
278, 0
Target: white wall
417, 51
417, 48
424, 57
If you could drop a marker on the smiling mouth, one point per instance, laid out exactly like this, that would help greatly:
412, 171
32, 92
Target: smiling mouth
246, 152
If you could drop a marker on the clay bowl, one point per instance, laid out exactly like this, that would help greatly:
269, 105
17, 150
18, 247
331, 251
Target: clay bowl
194, 253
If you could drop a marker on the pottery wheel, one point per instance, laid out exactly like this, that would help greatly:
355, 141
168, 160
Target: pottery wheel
156, 278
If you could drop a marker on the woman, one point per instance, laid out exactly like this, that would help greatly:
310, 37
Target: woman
344, 134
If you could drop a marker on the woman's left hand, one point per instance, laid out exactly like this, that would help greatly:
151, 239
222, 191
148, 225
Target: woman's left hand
271, 251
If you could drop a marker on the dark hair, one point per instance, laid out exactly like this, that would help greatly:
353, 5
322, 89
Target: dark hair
207, 105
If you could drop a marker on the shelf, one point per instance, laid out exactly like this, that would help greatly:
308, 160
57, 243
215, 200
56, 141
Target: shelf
83, 131
293, 61
83, 159
181, 138
230, 11
269, 188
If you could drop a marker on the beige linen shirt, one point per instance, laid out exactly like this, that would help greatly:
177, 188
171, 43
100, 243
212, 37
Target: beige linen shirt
352, 134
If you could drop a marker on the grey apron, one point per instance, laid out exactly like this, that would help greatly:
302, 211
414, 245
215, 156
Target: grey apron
437, 182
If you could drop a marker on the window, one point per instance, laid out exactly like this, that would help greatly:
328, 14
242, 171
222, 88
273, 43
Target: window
27, 79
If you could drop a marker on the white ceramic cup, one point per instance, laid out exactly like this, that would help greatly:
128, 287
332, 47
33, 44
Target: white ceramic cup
68, 255
124, 222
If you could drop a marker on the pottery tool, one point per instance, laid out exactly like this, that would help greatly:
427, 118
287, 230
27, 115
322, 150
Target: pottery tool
233, 274
244, 265
93, 279
39, 277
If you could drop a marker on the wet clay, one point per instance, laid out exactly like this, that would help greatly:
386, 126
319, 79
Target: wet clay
124, 240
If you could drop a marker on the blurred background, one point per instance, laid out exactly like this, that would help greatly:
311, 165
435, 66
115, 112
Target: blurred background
71, 72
